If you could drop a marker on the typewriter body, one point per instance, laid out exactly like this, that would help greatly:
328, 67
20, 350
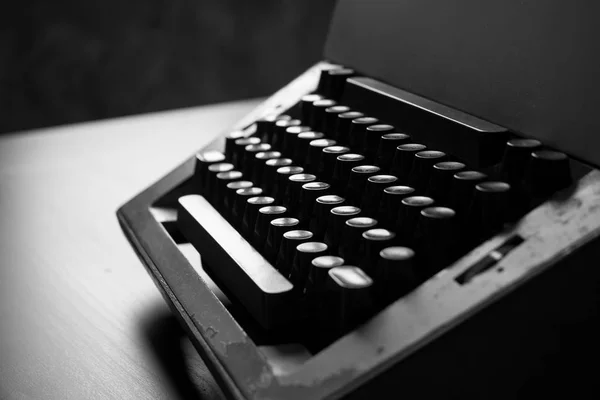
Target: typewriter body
459, 145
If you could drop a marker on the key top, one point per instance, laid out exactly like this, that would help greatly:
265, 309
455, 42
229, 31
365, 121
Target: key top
335, 223
403, 160
352, 300
306, 106
315, 150
342, 129
303, 256
440, 181
373, 241
223, 179
293, 190
250, 278
277, 228
331, 118
422, 166
238, 149
318, 274
318, 113
240, 202
261, 227
308, 196
302, 144
322, 206
357, 181
213, 170
279, 131
250, 153
387, 147
203, 160
270, 173
395, 274
253, 204
282, 179
290, 138
436, 238
548, 171
373, 192
489, 209
328, 159
358, 129
373, 136
515, 159
349, 246
260, 159
289, 242
228, 199
337, 81
230, 143
265, 126
408, 215
390, 204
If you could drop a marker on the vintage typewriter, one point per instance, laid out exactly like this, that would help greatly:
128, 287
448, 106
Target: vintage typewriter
416, 216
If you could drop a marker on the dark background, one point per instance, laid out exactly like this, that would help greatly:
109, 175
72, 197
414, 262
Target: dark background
65, 61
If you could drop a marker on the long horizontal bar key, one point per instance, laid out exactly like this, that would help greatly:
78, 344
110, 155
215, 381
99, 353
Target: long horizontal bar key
255, 283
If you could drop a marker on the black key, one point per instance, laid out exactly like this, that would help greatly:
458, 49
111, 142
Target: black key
331, 119
290, 138
253, 204
302, 144
489, 210
324, 81
223, 179
315, 149
306, 106
303, 256
237, 157
351, 291
357, 181
403, 160
260, 159
282, 179
322, 206
308, 196
373, 136
422, 166
408, 215
390, 204
250, 153
240, 202
279, 131
358, 129
318, 274
462, 189
335, 224
230, 143
287, 248
371, 199
440, 181
350, 244
373, 241
516, 158
277, 227
255, 284
328, 160
226, 196
337, 81
318, 113
203, 160
293, 190
211, 188
342, 129
436, 237
270, 173
387, 147
548, 171
265, 125
261, 227
395, 274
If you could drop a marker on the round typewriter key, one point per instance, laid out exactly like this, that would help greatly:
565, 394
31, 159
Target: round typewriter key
371, 199
259, 164
318, 274
461, 190
225, 202
342, 129
203, 160
516, 157
264, 126
337, 217
277, 228
269, 175
548, 171
358, 128
306, 106
293, 189
250, 153
289, 242
253, 204
349, 246
373, 241
328, 160
408, 215
436, 235
318, 115
440, 180
324, 81
403, 160
351, 296
290, 138
390, 204
238, 149
489, 209
279, 132
320, 215
303, 143
282, 179
213, 169
357, 181
337, 81
395, 274
315, 149
223, 179
373, 136
303, 256
387, 146
230, 143
331, 118
261, 227
240, 203
422, 166
308, 195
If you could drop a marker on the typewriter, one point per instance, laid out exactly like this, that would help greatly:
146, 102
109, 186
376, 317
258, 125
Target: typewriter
415, 216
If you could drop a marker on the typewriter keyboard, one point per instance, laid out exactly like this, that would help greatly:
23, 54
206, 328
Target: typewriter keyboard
328, 212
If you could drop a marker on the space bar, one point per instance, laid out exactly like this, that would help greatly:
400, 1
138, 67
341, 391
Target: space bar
254, 282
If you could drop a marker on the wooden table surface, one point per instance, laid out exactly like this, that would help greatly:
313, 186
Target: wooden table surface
79, 316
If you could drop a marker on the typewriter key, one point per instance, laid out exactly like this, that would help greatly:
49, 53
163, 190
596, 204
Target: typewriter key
302, 144
403, 160
251, 213
331, 118
277, 227
357, 181
358, 128
318, 113
321, 208
259, 164
269, 175
342, 129
390, 204
386, 148
261, 227
335, 223
303, 256
349, 246
395, 274
287, 247
373, 136
422, 166
315, 150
